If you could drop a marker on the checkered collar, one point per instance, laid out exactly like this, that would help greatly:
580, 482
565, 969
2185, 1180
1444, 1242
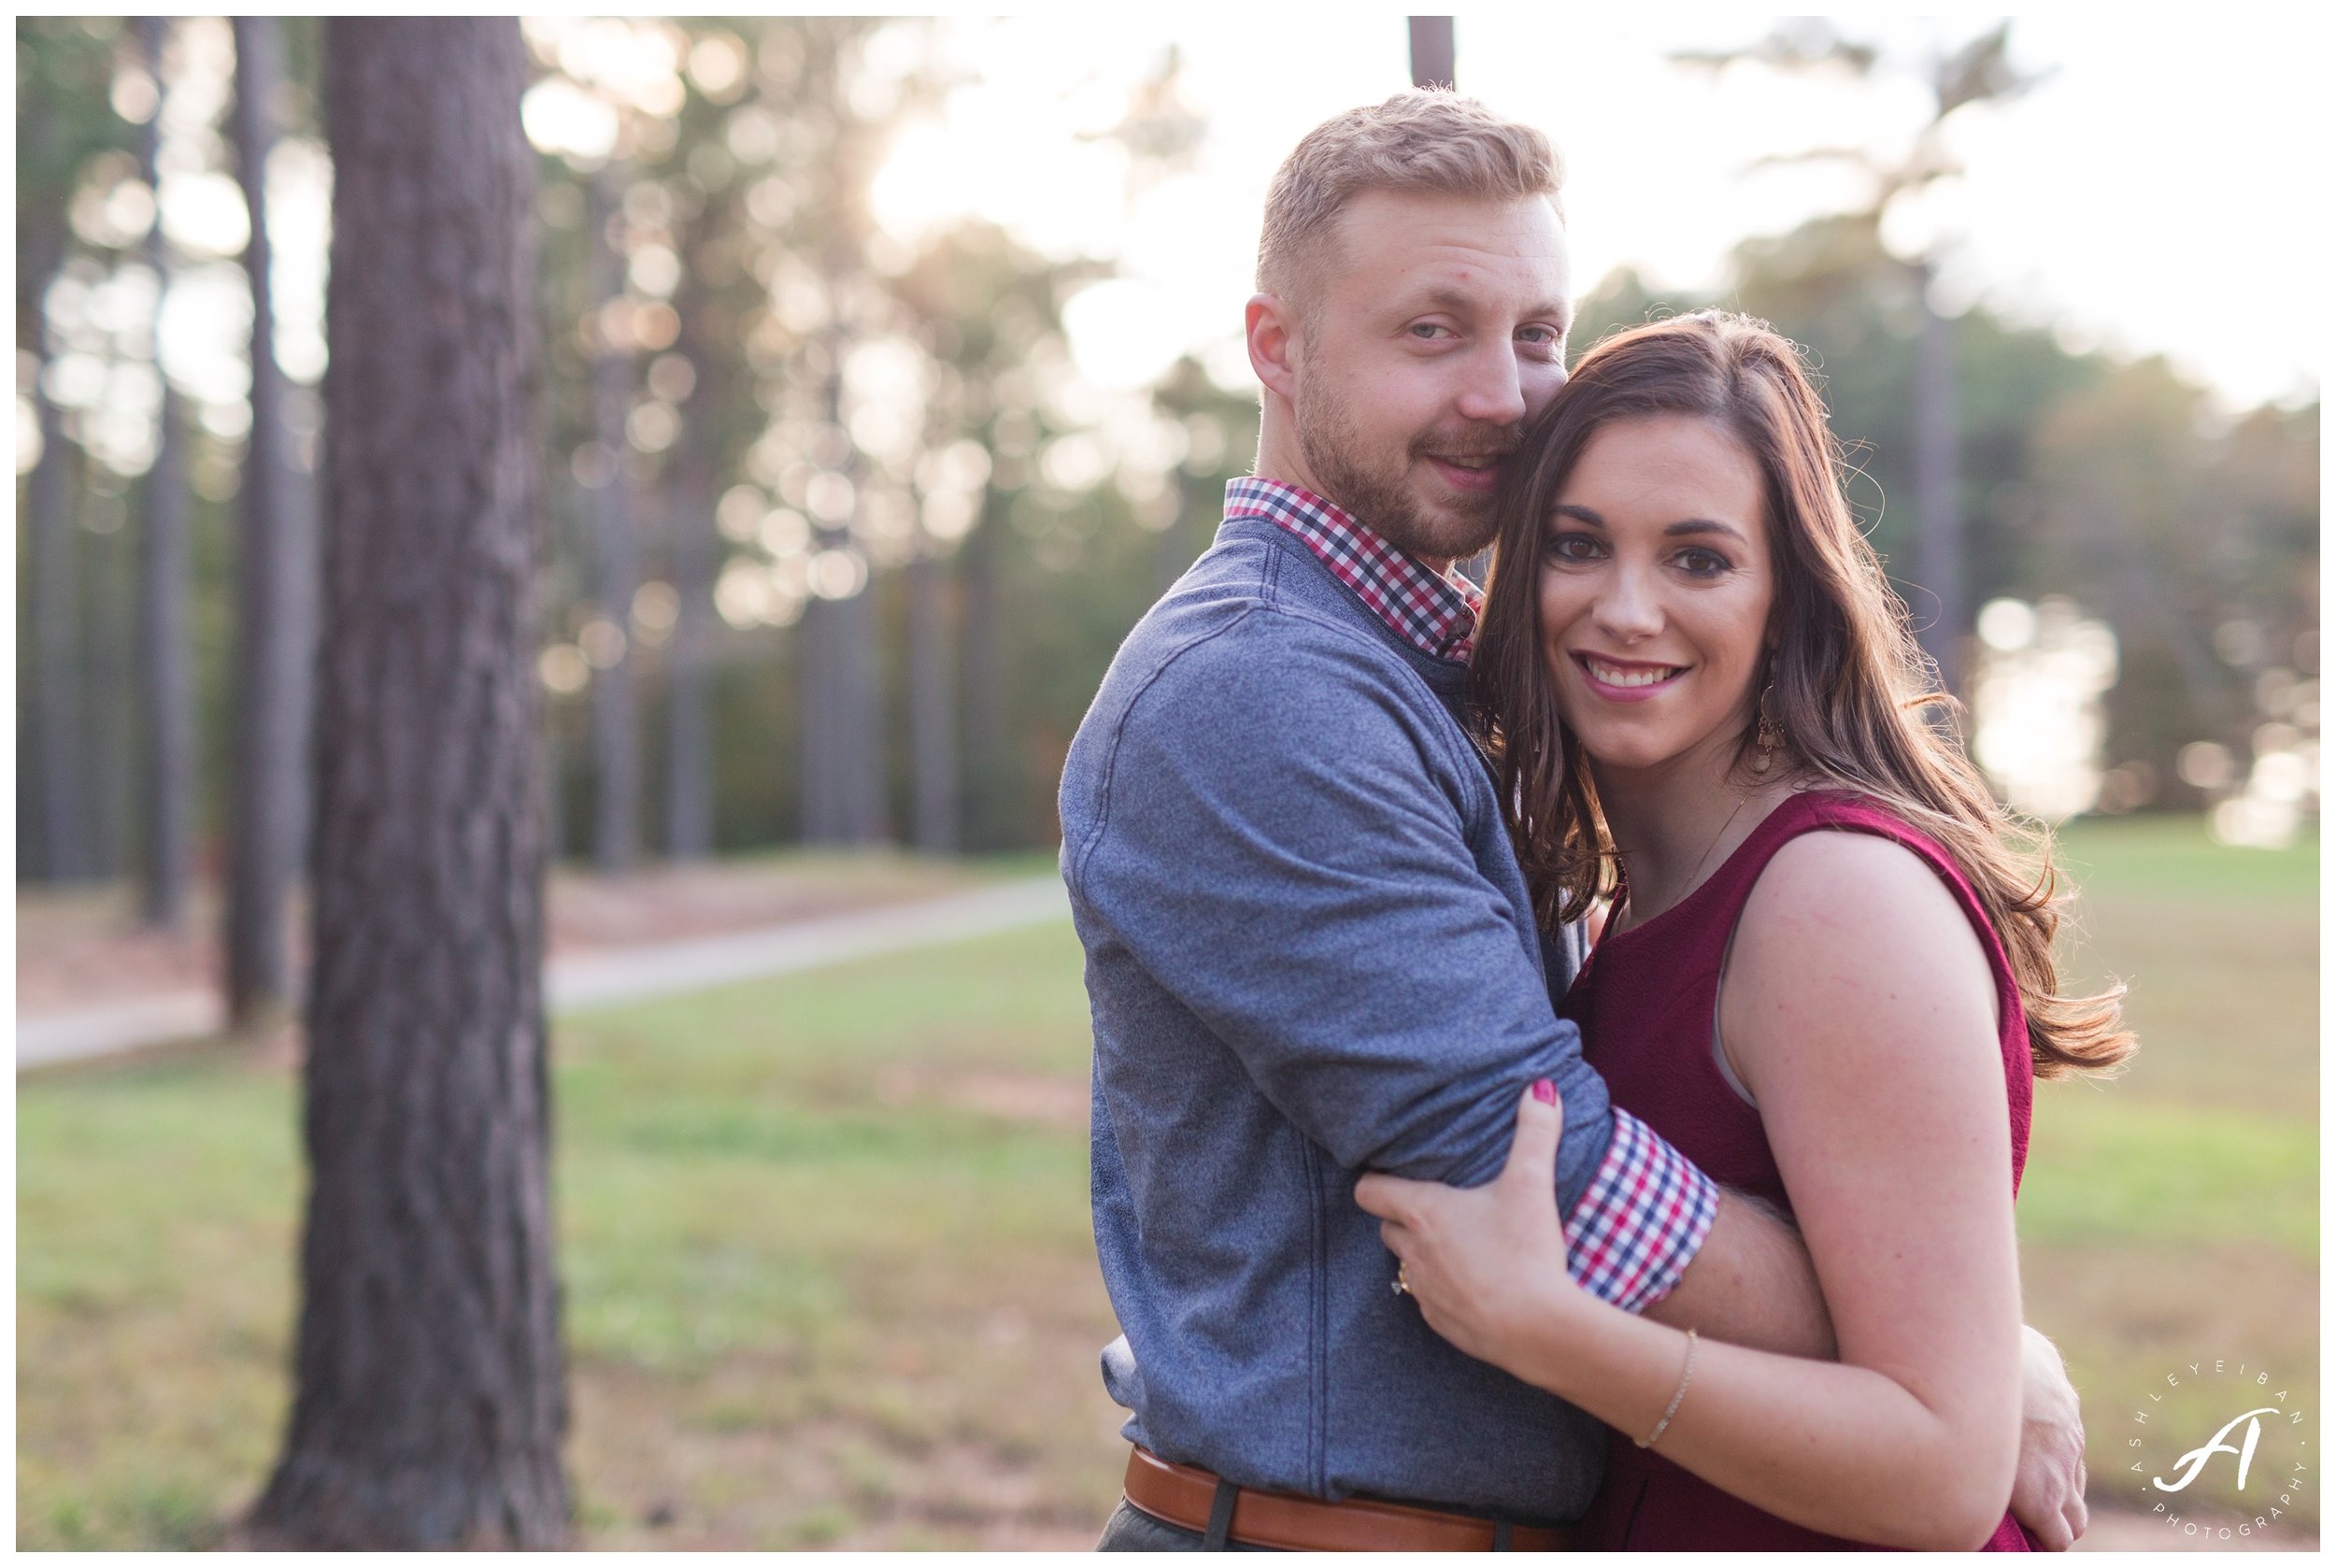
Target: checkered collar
1435, 614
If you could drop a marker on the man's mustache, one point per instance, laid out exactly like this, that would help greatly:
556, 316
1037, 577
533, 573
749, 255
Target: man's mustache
1450, 449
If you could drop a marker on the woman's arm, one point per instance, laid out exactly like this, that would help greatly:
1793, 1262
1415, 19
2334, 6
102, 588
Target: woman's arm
1860, 1011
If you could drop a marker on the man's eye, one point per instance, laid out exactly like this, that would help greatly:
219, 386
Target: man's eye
1425, 330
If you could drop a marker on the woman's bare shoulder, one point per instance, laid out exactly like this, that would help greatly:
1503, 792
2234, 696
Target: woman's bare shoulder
1852, 938
1857, 881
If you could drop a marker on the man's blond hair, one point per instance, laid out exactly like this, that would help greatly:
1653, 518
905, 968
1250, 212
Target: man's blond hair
1431, 141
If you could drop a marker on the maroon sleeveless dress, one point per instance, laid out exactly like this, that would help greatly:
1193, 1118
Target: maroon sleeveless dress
1647, 1005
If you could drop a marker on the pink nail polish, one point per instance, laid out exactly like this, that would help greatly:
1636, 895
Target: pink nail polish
1545, 1091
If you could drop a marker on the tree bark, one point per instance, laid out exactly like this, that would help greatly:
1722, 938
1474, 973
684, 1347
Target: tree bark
430, 1405
274, 599
616, 696
166, 677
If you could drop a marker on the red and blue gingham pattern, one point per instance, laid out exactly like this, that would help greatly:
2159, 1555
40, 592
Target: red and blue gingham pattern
1435, 614
1641, 1221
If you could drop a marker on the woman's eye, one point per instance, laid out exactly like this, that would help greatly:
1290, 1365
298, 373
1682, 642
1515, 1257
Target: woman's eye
1572, 547
1704, 562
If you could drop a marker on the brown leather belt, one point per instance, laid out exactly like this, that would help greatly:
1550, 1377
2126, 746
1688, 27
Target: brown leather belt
1181, 1495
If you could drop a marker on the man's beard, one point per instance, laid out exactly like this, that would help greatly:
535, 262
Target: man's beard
1341, 461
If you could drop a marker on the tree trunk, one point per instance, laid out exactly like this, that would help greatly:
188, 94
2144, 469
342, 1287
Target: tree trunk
862, 691
823, 745
994, 815
59, 827
696, 547
1939, 556
267, 778
843, 746
431, 1403
690, 666
555, 775
165, 678
933, 706
111, 572
842, 751
1431, 51
616, 697
50, 766
817, 749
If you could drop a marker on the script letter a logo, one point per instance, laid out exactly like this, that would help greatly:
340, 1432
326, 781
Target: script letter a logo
2195, 1461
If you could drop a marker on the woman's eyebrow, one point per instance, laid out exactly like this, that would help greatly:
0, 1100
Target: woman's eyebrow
1702, 525
1579, 514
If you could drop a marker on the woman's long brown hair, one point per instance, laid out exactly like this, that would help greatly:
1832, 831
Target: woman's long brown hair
1847, 686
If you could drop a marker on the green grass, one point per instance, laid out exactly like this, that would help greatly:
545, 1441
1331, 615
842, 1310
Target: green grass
2173, 856
2162, 1176
824, 1240
829, 1280
2172, 1216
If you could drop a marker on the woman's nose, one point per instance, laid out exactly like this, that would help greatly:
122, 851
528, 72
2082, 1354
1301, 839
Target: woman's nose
1628, 608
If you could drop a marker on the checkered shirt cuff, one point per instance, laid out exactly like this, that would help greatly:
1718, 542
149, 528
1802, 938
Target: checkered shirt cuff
1642, 1221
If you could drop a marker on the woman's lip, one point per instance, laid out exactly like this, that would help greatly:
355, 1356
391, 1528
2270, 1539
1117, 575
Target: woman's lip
1468, 478
1626, 693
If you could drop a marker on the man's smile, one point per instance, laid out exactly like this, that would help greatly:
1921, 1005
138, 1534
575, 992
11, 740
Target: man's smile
1469, 471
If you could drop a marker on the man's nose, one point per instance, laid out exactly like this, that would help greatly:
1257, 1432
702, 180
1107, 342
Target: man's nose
1495, 394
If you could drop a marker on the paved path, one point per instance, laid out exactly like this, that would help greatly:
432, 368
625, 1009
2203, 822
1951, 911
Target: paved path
601, 977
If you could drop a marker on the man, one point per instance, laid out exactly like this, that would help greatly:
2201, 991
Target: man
1310, 950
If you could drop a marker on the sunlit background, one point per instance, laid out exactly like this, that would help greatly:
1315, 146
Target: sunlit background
893, 369
2134, 203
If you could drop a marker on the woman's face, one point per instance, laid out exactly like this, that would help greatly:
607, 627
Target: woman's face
1656, 584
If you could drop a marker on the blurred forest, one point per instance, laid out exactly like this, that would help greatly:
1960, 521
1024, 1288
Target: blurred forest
841, 541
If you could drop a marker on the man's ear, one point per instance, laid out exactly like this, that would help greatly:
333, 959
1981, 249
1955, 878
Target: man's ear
1272, 328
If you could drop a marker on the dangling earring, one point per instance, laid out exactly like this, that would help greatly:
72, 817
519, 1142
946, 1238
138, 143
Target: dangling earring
1770, 737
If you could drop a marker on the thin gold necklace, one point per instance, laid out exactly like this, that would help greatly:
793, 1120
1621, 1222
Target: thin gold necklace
1742, 801
1689, 885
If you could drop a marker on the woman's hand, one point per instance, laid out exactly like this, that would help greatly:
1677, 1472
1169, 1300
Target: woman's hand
1486, 1265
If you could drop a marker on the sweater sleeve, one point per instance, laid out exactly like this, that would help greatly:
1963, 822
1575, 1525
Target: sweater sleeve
1280, 844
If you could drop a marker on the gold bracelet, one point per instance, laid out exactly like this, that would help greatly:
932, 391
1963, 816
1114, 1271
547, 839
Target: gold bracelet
1684, 1373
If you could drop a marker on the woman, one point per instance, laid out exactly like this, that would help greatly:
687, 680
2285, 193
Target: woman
1826, 975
